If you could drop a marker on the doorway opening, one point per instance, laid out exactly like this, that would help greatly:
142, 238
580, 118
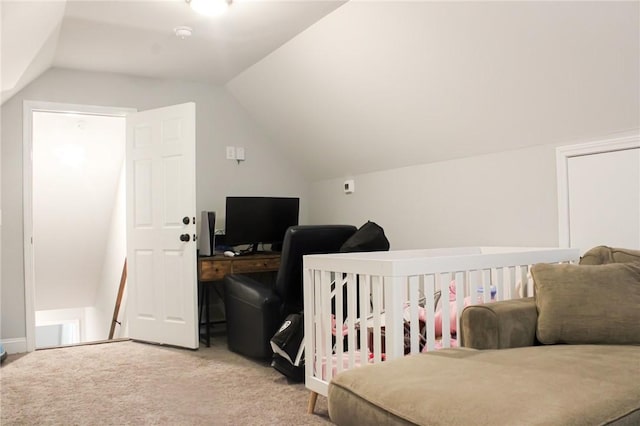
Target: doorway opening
159, 211
77, 219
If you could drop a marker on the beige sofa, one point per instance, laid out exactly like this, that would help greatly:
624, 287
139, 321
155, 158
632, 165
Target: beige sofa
571, 356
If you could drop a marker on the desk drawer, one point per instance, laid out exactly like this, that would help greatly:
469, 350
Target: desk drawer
255, 265
214, 271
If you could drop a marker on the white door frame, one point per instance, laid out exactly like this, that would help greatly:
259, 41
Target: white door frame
563, 154
29, 107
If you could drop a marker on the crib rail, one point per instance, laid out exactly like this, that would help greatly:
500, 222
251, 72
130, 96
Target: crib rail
365, 308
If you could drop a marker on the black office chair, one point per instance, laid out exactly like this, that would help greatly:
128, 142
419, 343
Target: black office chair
256, 310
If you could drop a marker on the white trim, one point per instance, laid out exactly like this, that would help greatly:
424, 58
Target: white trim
563, 154
29, 107
78, 108
15, 346
27, 221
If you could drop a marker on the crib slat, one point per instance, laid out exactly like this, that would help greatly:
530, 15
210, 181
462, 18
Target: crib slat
309, 323
394, 303
352, 303
365, 311
486, 285
461, 282
524, 269
475, 283
500, 290
339, 286
429, 290
326, 324
532, 291
318, 353
376, 295
512, 283
413, 314
443, 285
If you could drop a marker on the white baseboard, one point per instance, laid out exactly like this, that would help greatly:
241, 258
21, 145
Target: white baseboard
15, 346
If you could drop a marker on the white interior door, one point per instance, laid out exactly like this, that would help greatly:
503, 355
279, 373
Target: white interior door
161, 252
604, 199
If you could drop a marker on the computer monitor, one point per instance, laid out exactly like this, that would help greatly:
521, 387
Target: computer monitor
259, 220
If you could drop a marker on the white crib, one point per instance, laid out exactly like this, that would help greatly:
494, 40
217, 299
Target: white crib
364, 308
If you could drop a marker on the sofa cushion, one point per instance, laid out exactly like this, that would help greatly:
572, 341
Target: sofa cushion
602, 255
536, 385
587, 303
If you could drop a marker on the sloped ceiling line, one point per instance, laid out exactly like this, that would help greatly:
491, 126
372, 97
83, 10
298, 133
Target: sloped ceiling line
29, 34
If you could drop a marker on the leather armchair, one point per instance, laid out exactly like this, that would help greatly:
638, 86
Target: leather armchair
255, 310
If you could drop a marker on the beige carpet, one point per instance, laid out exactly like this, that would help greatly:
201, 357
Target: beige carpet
129, 383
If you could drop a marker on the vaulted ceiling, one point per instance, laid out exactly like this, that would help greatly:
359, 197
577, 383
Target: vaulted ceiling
138, 38
381, 85
347, 88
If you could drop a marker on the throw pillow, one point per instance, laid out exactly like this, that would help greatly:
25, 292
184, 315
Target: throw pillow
588, 304
370, 237
602, 255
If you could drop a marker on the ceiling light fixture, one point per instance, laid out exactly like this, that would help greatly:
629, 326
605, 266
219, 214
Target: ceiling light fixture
182, 32
209, 7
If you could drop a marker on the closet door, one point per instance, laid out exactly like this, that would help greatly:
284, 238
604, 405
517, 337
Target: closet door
603, 192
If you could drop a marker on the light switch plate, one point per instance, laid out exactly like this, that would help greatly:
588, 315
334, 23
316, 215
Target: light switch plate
231, 153
239, 153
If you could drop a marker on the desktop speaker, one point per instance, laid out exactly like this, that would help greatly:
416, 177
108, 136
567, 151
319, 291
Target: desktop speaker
206, 238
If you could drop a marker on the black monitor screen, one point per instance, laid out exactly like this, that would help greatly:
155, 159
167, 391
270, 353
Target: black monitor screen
253, 220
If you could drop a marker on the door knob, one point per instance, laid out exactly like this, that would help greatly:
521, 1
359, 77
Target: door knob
185, 220
185, 237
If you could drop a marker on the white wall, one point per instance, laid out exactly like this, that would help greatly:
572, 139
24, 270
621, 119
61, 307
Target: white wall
508, 198
101, 313
221, 121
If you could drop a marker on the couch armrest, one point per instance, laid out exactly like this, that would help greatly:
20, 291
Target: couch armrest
499, 325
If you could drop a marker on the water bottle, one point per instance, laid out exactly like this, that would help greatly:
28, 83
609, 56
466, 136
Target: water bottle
481, 293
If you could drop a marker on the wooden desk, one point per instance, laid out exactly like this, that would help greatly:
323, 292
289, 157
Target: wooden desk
212, 269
